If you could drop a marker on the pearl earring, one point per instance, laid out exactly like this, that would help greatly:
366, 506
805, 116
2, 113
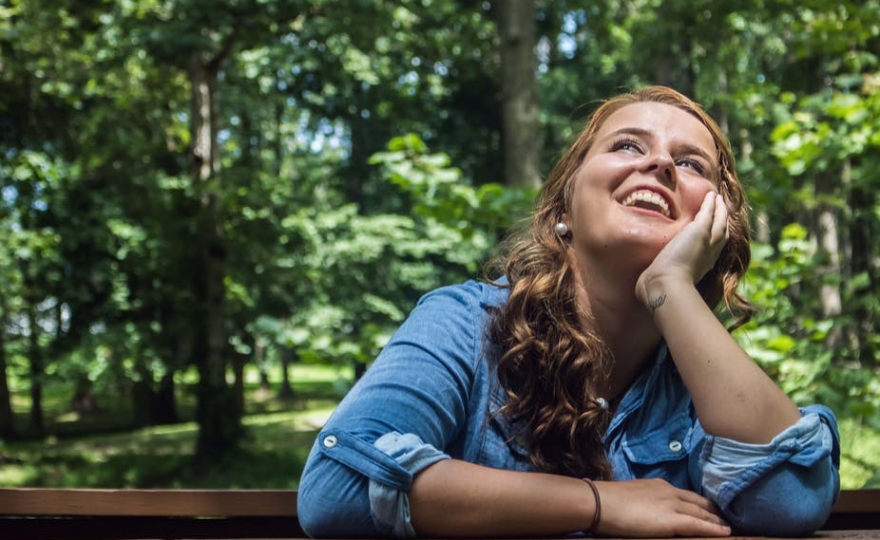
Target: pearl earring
561, 229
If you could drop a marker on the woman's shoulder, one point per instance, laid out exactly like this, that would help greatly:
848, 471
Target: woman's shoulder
471, 293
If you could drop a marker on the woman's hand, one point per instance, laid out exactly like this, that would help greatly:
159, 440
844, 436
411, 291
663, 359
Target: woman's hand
693, 251
654, 508
732, 395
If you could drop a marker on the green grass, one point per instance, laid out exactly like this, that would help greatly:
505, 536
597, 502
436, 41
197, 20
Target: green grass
100, 451
271, 457
279, 436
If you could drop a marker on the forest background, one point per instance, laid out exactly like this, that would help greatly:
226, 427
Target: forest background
215, 212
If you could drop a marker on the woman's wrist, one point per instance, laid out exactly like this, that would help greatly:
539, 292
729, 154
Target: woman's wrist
597, 507
654, 291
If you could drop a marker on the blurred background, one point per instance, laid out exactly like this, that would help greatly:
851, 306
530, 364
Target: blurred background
215, 212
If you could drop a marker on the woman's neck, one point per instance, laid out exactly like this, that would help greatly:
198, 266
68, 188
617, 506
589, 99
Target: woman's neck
608, 304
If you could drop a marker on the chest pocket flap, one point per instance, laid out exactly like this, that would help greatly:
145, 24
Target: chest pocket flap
670, 441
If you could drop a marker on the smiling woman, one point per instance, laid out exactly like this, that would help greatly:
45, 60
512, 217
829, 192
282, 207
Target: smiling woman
587, 385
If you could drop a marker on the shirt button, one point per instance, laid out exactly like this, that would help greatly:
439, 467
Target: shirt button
329, 441
675, 446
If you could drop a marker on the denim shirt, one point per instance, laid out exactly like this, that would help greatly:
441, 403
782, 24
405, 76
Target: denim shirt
432, 395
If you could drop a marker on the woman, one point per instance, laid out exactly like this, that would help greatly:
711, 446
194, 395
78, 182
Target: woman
591, 388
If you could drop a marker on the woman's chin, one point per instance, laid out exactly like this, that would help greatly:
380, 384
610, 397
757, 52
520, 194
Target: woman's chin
643, 245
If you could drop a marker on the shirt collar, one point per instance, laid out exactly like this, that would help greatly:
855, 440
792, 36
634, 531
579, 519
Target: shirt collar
635, 396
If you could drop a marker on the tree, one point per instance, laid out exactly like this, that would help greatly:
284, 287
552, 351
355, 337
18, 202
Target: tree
519, 94
210, 33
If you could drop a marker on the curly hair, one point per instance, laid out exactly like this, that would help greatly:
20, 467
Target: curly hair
549, 362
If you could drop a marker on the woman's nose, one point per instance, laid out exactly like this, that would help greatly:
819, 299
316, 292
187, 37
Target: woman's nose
661, 164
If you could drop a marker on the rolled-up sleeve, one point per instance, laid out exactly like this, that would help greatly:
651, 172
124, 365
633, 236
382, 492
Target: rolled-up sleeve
390, 505
785, 487
409, 406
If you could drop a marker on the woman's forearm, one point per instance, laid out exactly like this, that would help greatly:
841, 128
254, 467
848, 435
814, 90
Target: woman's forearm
733, 397
456, 498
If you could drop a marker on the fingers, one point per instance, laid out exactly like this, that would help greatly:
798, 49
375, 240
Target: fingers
696, 499
715, 213
698, 507
704, 512
695, 504
707, 210
700, 517
720, 231
697, 527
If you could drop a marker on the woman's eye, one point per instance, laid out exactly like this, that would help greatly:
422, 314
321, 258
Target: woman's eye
627, 145
692, 164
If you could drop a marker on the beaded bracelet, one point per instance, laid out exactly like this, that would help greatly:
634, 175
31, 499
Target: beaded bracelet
598, 514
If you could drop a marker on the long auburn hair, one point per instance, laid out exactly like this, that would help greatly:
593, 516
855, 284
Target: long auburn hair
549, 361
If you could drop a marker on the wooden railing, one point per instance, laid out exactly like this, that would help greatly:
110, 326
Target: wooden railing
138, 514
856, 509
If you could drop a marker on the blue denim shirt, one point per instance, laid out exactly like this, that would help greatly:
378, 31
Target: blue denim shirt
432, 395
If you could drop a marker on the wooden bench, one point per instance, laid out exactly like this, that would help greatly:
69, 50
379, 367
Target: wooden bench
32, 513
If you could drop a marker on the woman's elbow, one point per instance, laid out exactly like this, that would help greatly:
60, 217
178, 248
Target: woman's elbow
332, 502
793, 502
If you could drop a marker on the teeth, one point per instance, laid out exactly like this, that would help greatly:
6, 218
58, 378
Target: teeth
648, 197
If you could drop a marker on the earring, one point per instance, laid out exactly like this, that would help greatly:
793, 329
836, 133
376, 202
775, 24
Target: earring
561, 229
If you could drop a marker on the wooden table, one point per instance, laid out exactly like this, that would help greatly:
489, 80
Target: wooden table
108, 514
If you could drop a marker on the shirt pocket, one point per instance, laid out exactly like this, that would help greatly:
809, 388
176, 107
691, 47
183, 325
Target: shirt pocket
662, 452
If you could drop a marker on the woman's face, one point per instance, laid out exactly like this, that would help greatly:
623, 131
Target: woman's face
644, 178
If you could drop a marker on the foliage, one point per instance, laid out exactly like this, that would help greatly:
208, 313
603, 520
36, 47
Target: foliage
790, 340
441, 194
860, 455
365, 272
333, 216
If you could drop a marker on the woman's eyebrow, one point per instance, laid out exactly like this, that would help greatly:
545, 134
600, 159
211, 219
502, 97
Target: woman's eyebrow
639, 132
696, 150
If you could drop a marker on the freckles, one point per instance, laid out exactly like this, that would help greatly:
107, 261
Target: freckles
664, 240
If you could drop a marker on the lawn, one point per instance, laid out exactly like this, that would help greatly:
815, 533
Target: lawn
280, 434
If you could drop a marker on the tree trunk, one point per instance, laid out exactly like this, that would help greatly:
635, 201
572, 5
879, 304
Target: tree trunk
219, 421
761, 217
140, 403
672, 52
7, 418
360, 369
84, 400
861, 225
260, 349
35, 357
154, 406
285, 391
521, 130
363, 145
828, 244
163, 402
238, 363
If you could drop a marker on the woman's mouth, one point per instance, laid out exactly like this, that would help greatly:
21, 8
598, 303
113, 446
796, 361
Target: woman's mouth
648, 200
